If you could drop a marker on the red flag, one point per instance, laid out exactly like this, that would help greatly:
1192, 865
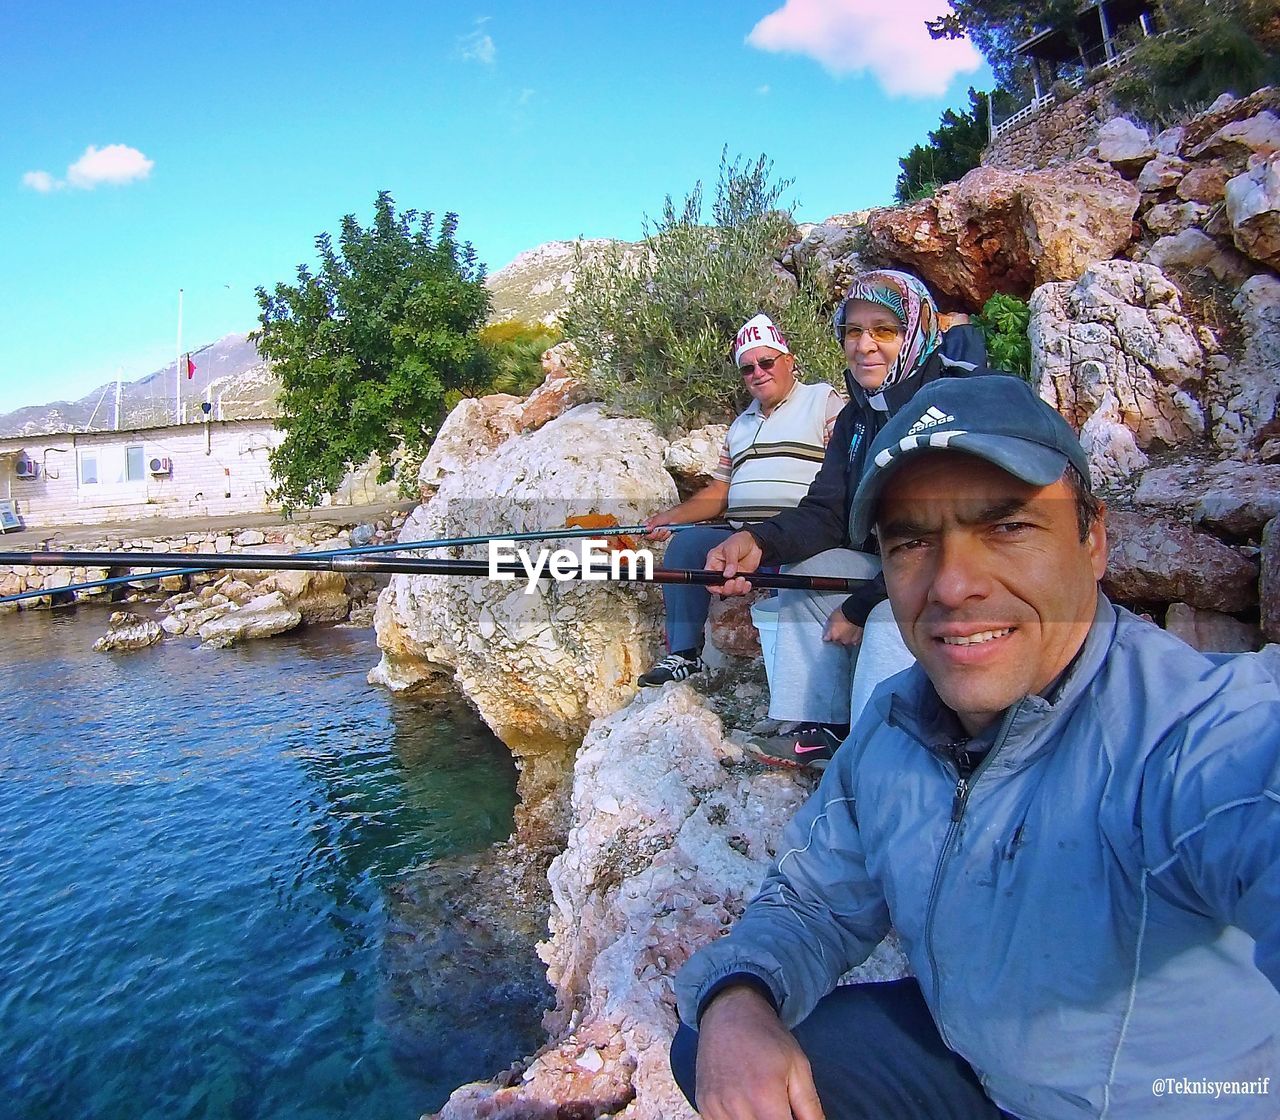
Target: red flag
191, 366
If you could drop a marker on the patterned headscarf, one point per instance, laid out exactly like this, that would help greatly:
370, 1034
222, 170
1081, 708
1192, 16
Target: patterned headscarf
911, 302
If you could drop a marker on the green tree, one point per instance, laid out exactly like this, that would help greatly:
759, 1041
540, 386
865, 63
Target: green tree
511, 358
367, 346
954, 147
655, 322
995, 27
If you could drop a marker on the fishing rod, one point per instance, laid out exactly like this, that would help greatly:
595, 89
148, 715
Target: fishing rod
397, 546
416, 565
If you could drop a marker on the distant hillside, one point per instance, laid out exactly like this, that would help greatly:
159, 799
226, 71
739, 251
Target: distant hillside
535, 287
229, 373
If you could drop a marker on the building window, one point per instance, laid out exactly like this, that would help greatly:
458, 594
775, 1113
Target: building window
88, 468
135, 463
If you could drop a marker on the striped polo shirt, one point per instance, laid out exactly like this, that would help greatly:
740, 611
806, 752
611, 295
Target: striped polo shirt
769, 461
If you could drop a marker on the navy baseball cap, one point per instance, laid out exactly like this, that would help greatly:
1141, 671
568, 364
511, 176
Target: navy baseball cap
998, 418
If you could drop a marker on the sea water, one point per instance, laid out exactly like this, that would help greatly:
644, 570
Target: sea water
198, 852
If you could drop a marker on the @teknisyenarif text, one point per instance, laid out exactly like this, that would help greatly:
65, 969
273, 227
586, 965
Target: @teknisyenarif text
1198, 1087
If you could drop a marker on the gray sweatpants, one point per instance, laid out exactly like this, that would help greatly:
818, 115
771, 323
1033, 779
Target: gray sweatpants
824, 682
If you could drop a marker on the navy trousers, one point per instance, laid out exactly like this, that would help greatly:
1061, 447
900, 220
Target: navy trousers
689, 603
875, 1055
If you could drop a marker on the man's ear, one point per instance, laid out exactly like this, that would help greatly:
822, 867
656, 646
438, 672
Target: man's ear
1096, 542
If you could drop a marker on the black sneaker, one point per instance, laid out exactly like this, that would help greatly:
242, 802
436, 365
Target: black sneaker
673, 667
812, 746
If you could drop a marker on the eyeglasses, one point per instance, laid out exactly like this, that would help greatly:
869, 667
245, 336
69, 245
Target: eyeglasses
765, 364
881, 332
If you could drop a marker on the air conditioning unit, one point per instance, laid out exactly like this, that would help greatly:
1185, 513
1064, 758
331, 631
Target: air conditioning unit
26, 467
161, 465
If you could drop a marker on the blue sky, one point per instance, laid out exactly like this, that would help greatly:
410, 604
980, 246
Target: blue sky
149, 147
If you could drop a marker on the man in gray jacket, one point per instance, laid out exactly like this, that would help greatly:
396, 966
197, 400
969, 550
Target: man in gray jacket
1071, 819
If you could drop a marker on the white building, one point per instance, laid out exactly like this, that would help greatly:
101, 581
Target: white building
212, 468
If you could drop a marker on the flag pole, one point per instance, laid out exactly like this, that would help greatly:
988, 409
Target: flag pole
177, 371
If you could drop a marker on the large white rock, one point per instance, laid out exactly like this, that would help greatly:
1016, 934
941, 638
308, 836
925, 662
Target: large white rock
539, 666
694, 457
317, 596
1119, 330
473, 428
261, 617
1124, 144
1253, 205
1244, 395
1112, 448
1193, 249
671, 834
129, 631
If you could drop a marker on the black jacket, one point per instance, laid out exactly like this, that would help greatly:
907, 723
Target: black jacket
821, 520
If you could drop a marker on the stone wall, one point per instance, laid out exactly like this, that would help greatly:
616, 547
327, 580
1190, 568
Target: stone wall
312, 536
1059, 134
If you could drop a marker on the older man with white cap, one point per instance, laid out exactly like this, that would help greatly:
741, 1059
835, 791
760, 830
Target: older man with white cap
771, 454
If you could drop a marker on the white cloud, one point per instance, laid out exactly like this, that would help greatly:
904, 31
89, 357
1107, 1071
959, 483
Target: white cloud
477, 45
116, 164
762, 90
851, 36
41, 181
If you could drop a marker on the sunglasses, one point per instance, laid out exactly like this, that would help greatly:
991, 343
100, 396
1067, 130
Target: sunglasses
881, 332
765, 364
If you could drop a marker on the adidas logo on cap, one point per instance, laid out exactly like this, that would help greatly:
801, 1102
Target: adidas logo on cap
931, 419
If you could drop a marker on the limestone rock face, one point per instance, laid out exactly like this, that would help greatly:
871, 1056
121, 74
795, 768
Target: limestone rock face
1124, 145
1246, 395
473, 428
1009, 231
1154, 560
129, 631
1211, 631
1112, 448
538, 666
261, 617
671, 834
1171, 217
732, 630
692, 458
1253, 205
1233, 498
1193, 249
560, 391
1118, 330
831, 250
1161, 173
316, 596
1269, 583
1206, 184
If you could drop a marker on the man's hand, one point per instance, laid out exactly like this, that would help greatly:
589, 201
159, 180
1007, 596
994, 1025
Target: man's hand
655, 527
739, 554
840, 630
750, 1067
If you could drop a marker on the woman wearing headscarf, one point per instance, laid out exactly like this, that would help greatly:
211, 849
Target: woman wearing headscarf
889, 329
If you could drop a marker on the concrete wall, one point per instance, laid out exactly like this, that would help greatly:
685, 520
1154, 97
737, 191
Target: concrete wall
218, 468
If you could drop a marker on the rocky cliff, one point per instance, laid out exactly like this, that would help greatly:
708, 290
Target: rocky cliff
1150, 265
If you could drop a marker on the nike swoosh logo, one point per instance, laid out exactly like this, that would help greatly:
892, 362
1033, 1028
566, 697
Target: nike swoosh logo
801, 749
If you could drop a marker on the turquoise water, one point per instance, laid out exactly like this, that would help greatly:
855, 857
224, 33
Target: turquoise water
199, 852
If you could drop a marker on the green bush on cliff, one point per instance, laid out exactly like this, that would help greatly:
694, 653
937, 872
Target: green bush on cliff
1229, 46
1004, 322
655, 323
367, 346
